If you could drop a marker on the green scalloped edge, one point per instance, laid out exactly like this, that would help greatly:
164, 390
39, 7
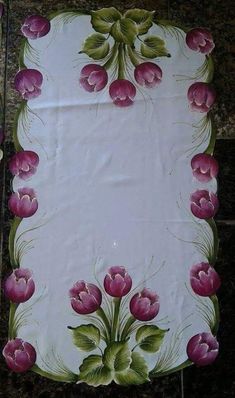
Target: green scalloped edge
209, 150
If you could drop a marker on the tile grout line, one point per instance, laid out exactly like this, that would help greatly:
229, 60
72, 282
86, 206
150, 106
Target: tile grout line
182, 383
224, 138
228, 223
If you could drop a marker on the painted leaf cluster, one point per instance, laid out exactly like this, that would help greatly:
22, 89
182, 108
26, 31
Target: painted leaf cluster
86, 337
142, 18
103, 20
123, 28
150, 337
96, 46
124, 31
118, 363
153, 46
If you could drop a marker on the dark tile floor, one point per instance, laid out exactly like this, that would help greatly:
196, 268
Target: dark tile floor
218, 380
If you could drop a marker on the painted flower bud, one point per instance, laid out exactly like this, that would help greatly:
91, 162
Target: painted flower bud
20, 356
200, 39
201, 97
85, 297
23, 203
145, 305
205, 167
19, 286
28, 83
202, 349
122, 92
24, 164
204, 204
204, 279
35, 27
148, 74
93, 77
117, 282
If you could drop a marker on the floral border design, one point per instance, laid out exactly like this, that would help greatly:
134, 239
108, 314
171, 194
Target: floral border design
117, 361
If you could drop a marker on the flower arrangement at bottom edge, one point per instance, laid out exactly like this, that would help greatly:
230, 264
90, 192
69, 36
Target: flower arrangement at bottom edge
112, 326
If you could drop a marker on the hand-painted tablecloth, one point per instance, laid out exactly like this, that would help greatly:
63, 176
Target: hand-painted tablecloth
113, 242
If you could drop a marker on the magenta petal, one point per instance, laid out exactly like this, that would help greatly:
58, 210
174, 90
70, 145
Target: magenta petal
85, 297
204, 166
201, 96
117, 269
208, 358
19, 286
117, 282
200, 39
21, 358
19, 355
144, 306
28, 83
202, 349
197, 195
89, 302
204, 280
93, 77
148, 74
23, 203
122, 92
35, 26
204, 204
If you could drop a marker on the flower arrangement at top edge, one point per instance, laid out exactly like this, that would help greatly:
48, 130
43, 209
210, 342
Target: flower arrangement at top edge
125, 29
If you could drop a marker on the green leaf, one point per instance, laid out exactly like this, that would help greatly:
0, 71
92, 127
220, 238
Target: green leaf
150, 337
137, 373
96, 46
142, 18
86, 337
117, 356
94, 372
124, 31
102, 20
153, 47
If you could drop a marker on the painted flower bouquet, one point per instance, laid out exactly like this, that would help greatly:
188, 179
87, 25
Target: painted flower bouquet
127, 49
114, 330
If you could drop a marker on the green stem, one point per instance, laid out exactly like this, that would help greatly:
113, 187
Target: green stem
213, 227
16, 142
112, 57
71, 377
11, 243
215, 327
210, 148
168, 23
100, 312
21, 55
210, 67
12, 332
185, 364
73, 10
127, 326
121, 63
132, 56
117, 302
